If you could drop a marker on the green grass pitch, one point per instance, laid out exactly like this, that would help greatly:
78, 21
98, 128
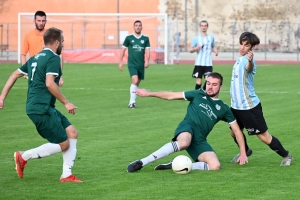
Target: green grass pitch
111, 136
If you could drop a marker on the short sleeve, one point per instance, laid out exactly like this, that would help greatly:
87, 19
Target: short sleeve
148, 43
25, 46
228, 117
53, 66
126, 42
195, 42
191, 94
213, 41
24, 69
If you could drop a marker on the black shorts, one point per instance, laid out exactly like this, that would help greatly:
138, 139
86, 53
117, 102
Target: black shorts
200, 71
252, 120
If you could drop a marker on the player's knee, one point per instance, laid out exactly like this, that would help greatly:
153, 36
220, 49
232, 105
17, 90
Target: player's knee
72, 132
214, 166
183, 144
64, 145
265, 137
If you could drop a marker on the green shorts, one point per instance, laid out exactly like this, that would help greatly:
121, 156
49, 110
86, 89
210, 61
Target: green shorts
139, 71
198, 144
51, 127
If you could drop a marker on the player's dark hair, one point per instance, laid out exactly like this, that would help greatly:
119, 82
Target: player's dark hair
51, 35
216, 75
40, 13
203, 21
250, 38
137, 21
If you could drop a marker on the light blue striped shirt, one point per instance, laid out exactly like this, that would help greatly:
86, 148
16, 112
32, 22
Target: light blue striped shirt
242, 92
204, 54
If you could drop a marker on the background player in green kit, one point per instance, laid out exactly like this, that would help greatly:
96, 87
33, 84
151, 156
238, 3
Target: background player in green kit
43, 71
138, 46
203, 112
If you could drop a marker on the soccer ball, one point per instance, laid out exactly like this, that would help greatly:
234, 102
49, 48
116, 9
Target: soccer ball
182, 164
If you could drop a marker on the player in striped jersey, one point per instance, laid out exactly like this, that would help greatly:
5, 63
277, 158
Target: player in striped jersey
245, 104
203, 44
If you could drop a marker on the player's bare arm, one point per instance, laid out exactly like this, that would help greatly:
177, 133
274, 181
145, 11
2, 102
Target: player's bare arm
147, 57
243, 159
55, 91
215, 50
8, 85
161, 95
61, 80
122, 53
250, 64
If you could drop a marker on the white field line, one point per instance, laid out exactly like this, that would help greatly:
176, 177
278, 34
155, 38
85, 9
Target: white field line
122, 89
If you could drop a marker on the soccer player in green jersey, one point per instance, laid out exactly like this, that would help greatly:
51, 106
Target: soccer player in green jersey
203, 112
44, 72
138, 46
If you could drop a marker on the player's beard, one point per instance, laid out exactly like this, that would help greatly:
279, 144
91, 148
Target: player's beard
40, 29
59, 50
214, 94
138, 33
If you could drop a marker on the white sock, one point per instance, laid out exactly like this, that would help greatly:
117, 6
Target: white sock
41, 151
69, 157
164, 151
200, 166
132, 93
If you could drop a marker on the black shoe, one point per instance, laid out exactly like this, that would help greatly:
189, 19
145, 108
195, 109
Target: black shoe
135, 166
164, 166
132, 106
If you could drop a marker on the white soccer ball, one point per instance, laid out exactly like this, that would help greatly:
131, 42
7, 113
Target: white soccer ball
182, 164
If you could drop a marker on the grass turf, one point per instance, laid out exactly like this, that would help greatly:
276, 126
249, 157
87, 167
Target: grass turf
112, 136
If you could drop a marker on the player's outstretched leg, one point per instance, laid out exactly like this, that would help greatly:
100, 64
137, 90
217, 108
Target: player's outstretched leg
164, 151
135, 166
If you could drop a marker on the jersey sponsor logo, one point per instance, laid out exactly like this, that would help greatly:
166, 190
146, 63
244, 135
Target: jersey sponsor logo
137, 47
142, 41
208, 111
38, 55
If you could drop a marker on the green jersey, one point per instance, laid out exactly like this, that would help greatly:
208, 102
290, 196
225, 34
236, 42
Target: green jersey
136, 49
39, 98
205, 112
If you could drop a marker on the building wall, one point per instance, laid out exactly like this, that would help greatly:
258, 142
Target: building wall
87, 33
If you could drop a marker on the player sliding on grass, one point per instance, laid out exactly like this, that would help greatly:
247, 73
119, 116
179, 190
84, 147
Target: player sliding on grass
203, 112
245, 104
43, 71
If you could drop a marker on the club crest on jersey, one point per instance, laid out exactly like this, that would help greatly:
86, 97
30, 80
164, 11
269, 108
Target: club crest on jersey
218, 107
142, 41
132, 40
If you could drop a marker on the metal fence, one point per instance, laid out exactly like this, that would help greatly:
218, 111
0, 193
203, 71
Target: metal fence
279, 40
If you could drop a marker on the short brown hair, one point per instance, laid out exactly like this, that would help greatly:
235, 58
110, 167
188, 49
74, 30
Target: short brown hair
51, 35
